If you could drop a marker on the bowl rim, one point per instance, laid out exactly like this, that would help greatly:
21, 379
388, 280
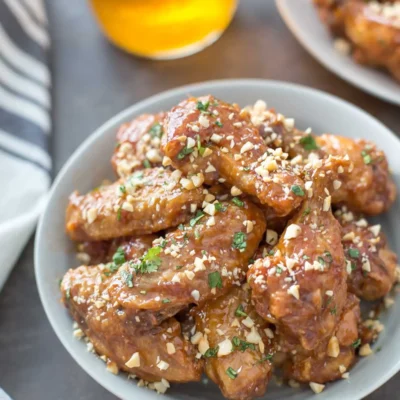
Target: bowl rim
139, 106
377, 91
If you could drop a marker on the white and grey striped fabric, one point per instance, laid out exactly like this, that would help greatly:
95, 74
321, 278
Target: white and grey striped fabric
25, 124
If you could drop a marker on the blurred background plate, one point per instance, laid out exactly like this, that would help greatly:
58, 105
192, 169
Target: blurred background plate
89, 165
302, 19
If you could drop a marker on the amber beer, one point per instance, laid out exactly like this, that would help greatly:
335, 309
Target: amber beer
163, 29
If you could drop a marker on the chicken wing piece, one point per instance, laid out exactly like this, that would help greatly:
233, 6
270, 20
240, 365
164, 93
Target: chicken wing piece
147, 201
332, 14
367, 188
370, 263
198, 261
232, 338
374, 29
301, 288
334, 356
138, 145
102, 252
205, 135
154, 354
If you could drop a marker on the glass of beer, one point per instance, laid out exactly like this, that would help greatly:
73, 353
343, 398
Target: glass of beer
163, 29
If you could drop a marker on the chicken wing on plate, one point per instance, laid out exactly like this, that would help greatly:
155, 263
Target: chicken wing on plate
301, 288
196, 262
233, 340
370, 263
334, 356
367, 187
138, 145
152, 354
205, 135
147, 201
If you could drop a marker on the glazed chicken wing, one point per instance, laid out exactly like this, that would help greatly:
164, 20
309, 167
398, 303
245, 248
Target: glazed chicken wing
370, 263
147, 201
301, 288
194, 263
138, 145
367, 188
218, 140
154, 354
334, 356
232, 338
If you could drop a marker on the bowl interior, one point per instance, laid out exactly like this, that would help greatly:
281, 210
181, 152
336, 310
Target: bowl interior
90, 164
302, 19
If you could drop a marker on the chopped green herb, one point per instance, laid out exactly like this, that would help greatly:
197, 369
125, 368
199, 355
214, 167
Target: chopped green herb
356, 344
306, 257
237, 201
328, 256
156, 130
333, 310
184, 152
232, 373
197, 234
203, 107
165, 301
215, 280
59, 282
146, 163
119, 213
122, 189
366, 157
211, 352
278, 270
119, 256
149, 262
200, 148
242, 345
309, 143
219, 123
219, 207
179, 267
268, 357
163, 244
127, 277
271, 252
181, 227
297, 190
196, 219
246, 169
321, 260
239, 241
68, 293
307, 211
240, 311
352, 266
354, 253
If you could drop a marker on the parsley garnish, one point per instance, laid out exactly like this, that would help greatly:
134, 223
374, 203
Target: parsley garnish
354, 253
119, 256
211, 352
240, 311
146, 163
219, 207
122, 189
163, 244
356, 344
308, 142
156, 130
278, 270
242, 345
268, 357
203, 107
215, 280
200, 148
165, 301
237, 201
232, 373
307, 211
196, 219
239, 241
297, 190
366, 157
149, 262
184, 152
179, 267
333, 310
127, 277
119, 213
219, 123
328, 256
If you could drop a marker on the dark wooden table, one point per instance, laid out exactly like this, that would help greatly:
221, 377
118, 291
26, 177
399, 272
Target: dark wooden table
92, 82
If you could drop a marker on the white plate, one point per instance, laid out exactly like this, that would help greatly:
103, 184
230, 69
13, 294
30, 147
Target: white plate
90, 164
302, 19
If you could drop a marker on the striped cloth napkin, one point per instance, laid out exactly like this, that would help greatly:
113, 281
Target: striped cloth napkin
25, 124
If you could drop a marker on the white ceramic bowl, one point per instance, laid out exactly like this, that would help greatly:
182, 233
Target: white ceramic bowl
90, 164
302, 19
